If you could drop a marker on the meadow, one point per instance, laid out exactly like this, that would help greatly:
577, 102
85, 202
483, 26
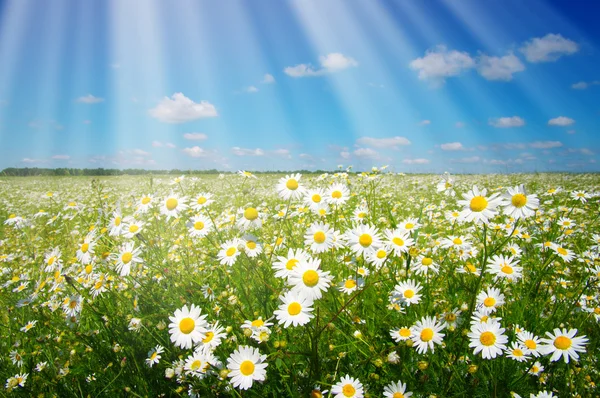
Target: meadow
346, 284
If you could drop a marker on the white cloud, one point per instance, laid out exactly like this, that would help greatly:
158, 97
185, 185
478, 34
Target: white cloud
195, 136
365, 153
61, 157
170, 145
545, 144
561, 121
283, 153
236, 150
499, 68
29, 160
580, 85
330, 63
180, 109
439, 63
586, 151
425, 122
268, 79
471, 159
452, 146
345, 154
416, 161
195, 152
391, 142
548, 48
157, 144
251, 89
571, 132
506, 122
89, 99
139, 152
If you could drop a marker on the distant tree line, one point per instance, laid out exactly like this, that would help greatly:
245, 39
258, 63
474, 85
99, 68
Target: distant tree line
36, 171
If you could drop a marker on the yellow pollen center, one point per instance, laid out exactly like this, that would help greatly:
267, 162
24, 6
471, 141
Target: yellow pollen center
534, 369
409, 293
426, 261
201, 200
291, 264
51, 260
171, 203
507, 269
117, 221
88, 269
562, 251
126, 257
196, 365
198, 225
451, 317
336, 194
530, 344
350, 284
294, 308
348, 390
398, 241
187, 325
133, 228
319, 237
398, 395
247, 368
251, 245
153, 356
489, 302
145, 200
562, 342
251, 214
316, 198
478, 204
85, 247
381, 254
73, 304
258, 323
404, 332
457, 241
427, 334
517, 352
291, 184
519, 200
487, 338
310, 278
409, 226
365, 240
209, 337
230, 252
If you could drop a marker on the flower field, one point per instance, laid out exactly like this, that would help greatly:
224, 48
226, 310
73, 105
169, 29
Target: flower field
345, 285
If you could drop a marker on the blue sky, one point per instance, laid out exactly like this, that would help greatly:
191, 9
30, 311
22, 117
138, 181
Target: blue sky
424, 86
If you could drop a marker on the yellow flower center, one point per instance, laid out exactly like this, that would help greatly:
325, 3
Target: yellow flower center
365, 240
519, 200
398, 241
98, 285
562, 251
534, 369
153, 356
457, 241
350, 284
530, 344
88, 269
291, 264
381, 254
517, 352
258, 323
291, 184
145, 200
427, 334
398, 394
51, 260
209, 337
489, 302
310, 278
409, 226
117, 221
507, 269
251, 214
294, 308
196, 365
319, 237
251, 245
348, 390
85, 247
409, 293
133, 228
451, 317
171, 203
562, 342
478, 204
336, 194
316, 198
404, 332
198, 225
230, 252
187, 325
73, 304
72, 204
126, 257
487, 338
201, 200
247, 368
427, 261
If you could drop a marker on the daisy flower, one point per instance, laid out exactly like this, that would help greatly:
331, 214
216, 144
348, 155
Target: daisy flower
284, 265
154, 355
456, 242
423, 265
478, 207
426, 333
199, 363
517, 353
409, 225
131, 227
202, 200
348, 387
563, 343
28, 326
337, 194
172, 205
86, 250
530, 342
309, 279
359, 215
378, 257
251, 247
398, 241
52, 260
229, 252
543, 394
401, 334
408, 292
199, 226
487, 338
187, 326
249, 218
128, 256
488, 301
566, 254
295, 309
451, 318
319, 237
446, 185
116, 224
289, 187
246, 174
145, 203
517, 204
581, 196
215, 333
72, 305
536, 369
396, 390
364, 239
245, 365
505, 268
314, 199
350, 285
